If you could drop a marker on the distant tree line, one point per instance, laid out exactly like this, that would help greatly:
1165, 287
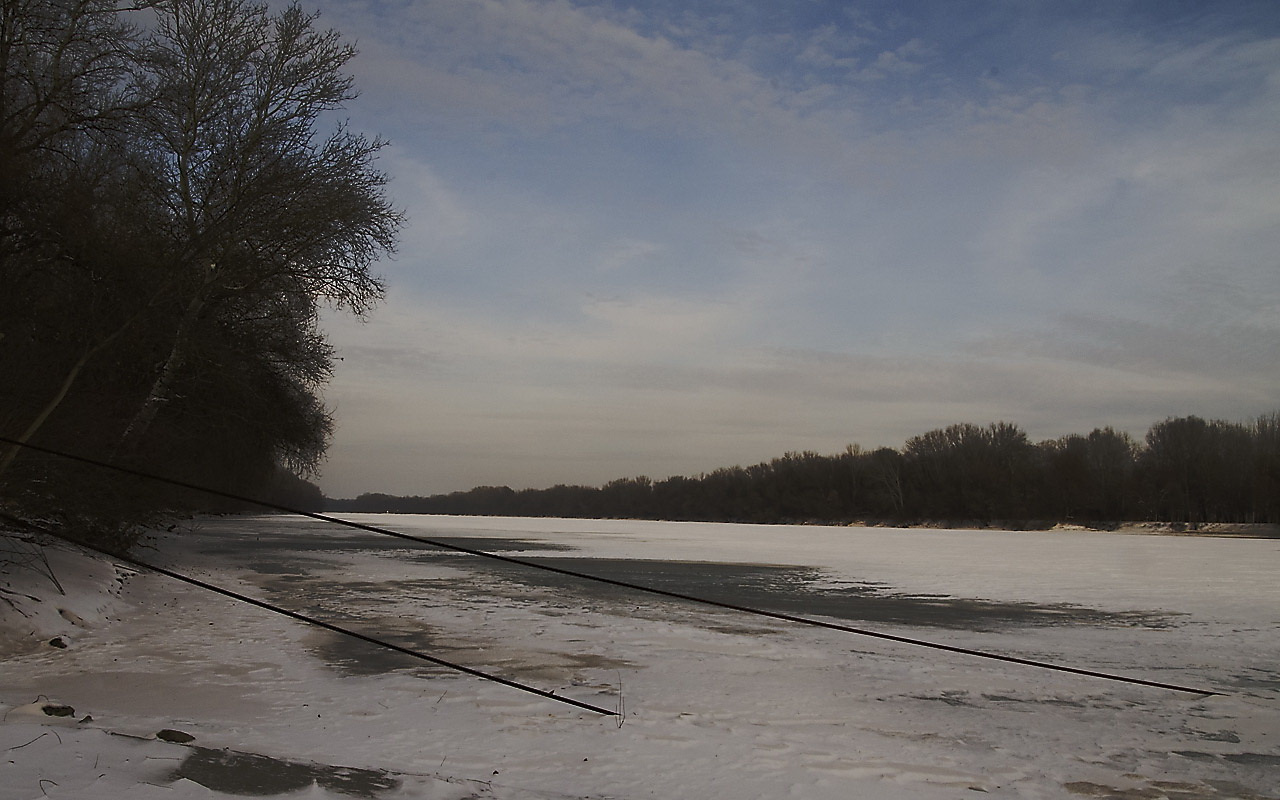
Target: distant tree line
1187, 470
171, 221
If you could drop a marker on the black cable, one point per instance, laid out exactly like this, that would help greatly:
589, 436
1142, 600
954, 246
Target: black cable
335, 628
627, 585
371, 640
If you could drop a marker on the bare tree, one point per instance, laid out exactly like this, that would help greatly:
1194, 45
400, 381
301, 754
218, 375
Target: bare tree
173, 213
63, 69
256, 201
65, 98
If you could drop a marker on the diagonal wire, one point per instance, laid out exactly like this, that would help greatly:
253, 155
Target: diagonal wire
134, 562
632, 586
365, 638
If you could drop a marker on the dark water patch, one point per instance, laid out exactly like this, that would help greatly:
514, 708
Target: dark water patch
286, 543
384, 609
791, 590
486, 544
1258, 679
1044, 701
348, 603
1230, 737
1167, 790
794, 590
964, 698
740, 630
559, 668
957, 698
358, 658
292, 567
1232, 790
1267, 761
253, 775
345, 603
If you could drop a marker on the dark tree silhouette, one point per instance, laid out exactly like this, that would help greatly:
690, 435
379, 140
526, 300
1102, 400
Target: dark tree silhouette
1189, 471
172, 217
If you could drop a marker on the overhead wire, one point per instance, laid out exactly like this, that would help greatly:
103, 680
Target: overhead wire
329, 626
777, 615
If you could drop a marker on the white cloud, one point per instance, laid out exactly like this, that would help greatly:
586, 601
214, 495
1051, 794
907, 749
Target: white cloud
522, 66
831, 46
587, 426
695, 257
438, 217
657, 388
627, 253
902, 61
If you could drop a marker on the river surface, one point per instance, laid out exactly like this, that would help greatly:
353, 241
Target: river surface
713, 702
907, 581
719, 702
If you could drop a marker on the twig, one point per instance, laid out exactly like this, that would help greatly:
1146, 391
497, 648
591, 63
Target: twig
13, 605
48, 570
622, 702
38, 738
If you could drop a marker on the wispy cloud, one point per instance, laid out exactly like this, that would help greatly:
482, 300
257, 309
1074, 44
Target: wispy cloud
668, 237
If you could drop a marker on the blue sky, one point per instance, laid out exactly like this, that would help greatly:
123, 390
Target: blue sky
660, 238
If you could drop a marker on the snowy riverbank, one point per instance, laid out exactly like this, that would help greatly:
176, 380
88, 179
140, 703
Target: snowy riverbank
718, 705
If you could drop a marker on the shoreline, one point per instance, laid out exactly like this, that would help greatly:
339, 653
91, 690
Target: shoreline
1249, 530
1245, 530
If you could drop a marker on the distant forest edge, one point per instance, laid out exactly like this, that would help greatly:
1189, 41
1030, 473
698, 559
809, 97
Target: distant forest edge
1187, 470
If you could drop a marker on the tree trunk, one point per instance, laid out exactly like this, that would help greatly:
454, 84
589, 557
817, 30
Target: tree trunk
60, 395
48, 410
162, 389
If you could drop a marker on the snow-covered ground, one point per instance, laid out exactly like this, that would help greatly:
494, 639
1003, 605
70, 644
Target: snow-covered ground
718, 704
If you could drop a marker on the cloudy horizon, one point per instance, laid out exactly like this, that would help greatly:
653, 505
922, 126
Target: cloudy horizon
668, 237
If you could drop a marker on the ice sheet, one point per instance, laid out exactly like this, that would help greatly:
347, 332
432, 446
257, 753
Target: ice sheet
718, 704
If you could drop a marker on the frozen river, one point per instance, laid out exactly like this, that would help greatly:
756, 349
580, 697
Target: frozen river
720, 703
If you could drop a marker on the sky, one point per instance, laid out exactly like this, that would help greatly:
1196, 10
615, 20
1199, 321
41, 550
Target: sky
659, 238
